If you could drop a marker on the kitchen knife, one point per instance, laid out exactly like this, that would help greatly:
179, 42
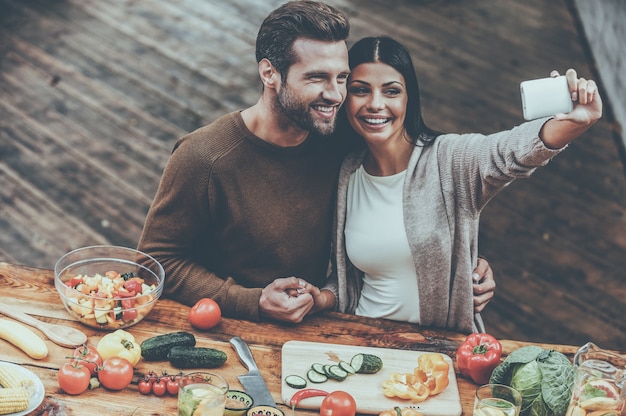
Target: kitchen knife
252, 382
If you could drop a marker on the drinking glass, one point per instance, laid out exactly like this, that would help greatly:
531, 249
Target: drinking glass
497, 400
201, 394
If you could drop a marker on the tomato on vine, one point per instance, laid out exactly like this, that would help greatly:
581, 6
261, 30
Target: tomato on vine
172, 385
145, 386
159, 387
73, 377
88, 356
116, 373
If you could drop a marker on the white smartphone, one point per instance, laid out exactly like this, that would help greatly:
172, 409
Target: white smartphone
545, 97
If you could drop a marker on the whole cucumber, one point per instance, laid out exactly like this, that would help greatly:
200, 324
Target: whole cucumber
158, 347
196, 357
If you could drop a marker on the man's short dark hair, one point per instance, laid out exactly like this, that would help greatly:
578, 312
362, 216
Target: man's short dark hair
298, 19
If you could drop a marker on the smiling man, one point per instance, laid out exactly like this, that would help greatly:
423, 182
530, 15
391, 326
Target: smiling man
244, 209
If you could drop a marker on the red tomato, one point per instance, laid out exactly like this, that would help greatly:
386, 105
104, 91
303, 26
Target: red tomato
88, 356
205, 314
338, 403
152, 376
172, 385
116, 373
73, 378
75, 281
133, 285
144, 386
159, 387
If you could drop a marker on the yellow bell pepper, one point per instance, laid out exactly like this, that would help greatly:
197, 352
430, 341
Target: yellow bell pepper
405, 386
119, 344
397, 411
435, 369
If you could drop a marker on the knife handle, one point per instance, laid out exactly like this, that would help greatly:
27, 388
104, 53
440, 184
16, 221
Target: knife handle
244, 353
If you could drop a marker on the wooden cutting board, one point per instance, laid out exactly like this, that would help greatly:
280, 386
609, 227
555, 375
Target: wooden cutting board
298, 356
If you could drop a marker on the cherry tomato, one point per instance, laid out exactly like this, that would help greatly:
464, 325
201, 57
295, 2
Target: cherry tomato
338, 403
152, 376
172, 385
73, 377
159, 387
205, 314
88, 356
116, 373
144, 386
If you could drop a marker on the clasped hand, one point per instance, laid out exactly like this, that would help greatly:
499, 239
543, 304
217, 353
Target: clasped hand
289, 299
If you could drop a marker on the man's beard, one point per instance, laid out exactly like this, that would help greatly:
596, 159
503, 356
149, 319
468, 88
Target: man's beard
299, 113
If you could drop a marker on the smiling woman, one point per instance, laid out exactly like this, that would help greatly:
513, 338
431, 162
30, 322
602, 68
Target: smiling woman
406, 238
378, 105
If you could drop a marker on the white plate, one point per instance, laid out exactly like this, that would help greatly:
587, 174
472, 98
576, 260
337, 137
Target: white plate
38, 390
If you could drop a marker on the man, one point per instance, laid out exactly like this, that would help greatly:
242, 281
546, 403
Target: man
243, 212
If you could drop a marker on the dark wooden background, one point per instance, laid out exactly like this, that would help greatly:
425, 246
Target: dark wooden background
93, 95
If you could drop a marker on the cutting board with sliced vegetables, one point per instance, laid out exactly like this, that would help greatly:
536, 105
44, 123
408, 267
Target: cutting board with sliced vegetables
298, 357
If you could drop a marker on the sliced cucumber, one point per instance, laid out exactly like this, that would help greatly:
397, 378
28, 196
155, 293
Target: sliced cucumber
118, 312
366, 363
319, 368
337, 373
347, 367
316, 377
295, 381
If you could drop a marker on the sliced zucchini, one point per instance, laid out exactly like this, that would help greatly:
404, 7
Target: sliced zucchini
337, 373
347, 367
295, 381
319, 368
316, 377
118, 311
127, 275
366, 363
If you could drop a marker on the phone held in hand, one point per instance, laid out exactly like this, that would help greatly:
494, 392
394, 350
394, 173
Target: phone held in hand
545, 97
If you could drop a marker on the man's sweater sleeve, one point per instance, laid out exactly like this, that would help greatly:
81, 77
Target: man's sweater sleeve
177, 217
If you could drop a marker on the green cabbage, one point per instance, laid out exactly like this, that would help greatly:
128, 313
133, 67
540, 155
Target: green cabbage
543, 377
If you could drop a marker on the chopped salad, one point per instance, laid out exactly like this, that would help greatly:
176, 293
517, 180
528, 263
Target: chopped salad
113, 299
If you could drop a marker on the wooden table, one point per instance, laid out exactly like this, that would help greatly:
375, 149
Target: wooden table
32, 290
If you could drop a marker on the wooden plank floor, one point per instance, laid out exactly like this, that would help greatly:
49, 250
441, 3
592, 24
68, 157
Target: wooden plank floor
93, 95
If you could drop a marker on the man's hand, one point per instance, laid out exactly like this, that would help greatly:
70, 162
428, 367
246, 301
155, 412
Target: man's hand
484, 284
288, 299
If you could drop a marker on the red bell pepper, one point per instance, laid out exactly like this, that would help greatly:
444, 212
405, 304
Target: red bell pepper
478, 356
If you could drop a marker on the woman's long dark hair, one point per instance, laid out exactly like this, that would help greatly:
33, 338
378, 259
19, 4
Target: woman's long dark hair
388, 51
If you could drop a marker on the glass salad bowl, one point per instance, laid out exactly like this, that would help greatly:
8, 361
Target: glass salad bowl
108, 287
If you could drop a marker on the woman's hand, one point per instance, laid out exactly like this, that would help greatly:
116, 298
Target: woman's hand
584, 93
484, 284
563, 128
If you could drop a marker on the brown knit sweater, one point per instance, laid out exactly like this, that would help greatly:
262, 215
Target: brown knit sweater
234, 212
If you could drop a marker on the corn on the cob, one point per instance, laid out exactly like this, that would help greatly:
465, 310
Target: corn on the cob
10, 378
13, 400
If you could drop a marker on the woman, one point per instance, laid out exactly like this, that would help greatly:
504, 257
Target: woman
409, 202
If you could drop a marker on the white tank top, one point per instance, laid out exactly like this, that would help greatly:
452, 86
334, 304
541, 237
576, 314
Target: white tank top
376, 243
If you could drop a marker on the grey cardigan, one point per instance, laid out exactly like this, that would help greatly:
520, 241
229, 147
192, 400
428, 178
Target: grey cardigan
447, 185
